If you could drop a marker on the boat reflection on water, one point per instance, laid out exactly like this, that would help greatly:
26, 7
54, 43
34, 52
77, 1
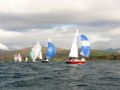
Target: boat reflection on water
76, 77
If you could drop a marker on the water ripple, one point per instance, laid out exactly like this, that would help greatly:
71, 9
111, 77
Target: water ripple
99, 75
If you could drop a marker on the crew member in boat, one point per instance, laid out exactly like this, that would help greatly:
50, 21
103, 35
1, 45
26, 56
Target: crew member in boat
44, 59
37, 58
71, 58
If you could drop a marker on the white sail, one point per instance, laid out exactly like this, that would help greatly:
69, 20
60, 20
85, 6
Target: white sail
15, 58
26, 59
49, 40
40, 52
74, 48
19, 57
37, 51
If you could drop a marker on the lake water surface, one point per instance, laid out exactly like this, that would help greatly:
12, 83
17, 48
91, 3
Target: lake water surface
95, 75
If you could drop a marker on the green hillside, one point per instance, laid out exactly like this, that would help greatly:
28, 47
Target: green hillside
62, 54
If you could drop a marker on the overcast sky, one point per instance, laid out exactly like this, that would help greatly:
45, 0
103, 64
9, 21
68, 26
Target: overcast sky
24, 22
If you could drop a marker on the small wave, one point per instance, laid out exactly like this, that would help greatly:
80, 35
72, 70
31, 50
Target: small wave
110, 78
46, 78
81, 85
107, 84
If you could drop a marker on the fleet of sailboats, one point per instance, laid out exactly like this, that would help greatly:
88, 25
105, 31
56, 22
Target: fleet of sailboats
36, 51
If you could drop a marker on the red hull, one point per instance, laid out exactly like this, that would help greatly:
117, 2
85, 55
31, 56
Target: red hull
75, 62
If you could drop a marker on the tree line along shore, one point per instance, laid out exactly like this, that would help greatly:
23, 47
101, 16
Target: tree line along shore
61, 55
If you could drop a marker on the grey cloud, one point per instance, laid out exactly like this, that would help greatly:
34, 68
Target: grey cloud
51, 20
94, 18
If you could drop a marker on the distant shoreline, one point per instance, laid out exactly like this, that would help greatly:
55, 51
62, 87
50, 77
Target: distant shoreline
61, 55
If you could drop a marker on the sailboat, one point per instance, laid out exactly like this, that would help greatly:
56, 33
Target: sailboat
85, 50
36, 52
18, 58
15, 58
26, 59
32, 54
51, 52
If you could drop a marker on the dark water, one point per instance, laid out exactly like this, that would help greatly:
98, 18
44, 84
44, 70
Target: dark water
95, 75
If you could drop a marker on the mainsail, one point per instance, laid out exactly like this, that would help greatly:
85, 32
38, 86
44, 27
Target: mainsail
74, 48
15, 58
36, 52
32, 54
26, 59
85, 46
19, 57
51, 51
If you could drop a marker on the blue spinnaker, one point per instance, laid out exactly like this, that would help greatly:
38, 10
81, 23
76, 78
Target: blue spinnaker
84, 38
51, 52
85, 48
85, 51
